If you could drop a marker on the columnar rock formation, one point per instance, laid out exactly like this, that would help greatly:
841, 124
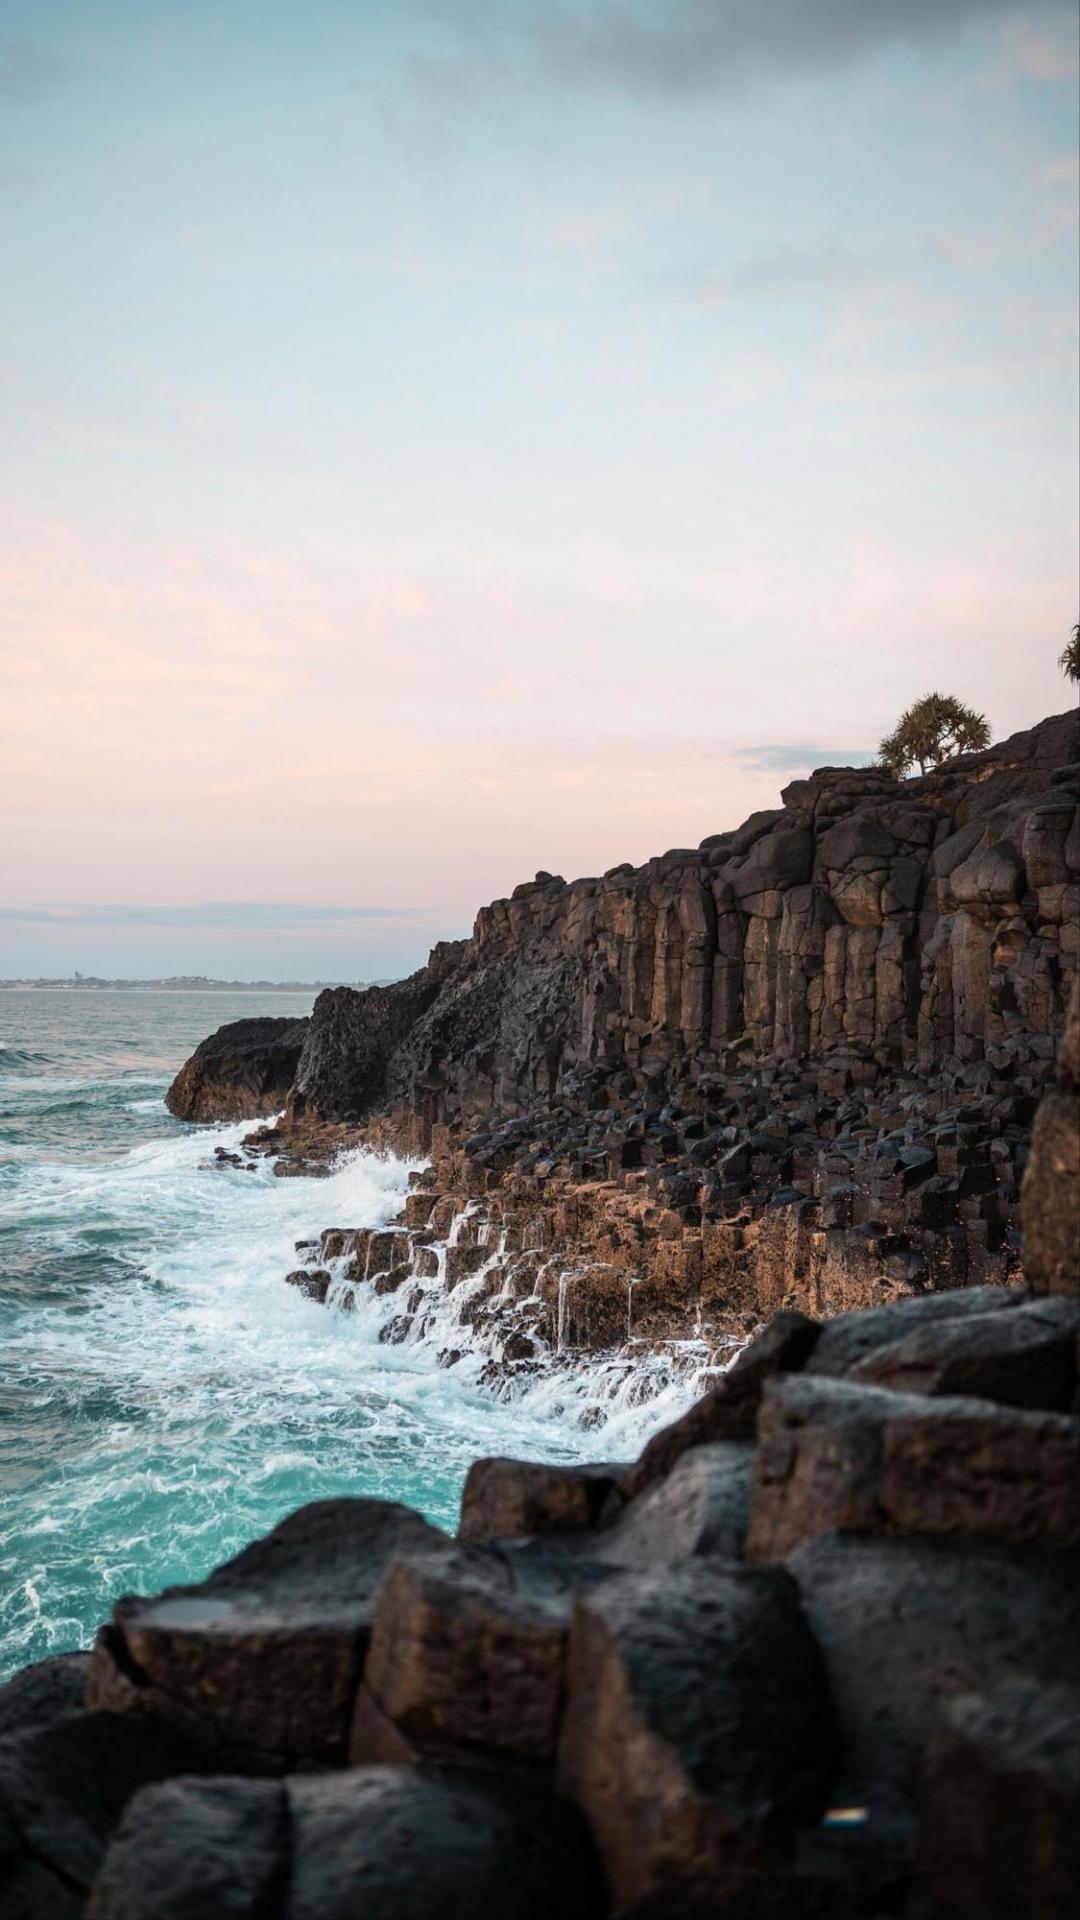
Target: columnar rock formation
916, 922
796, 1065
815, 1654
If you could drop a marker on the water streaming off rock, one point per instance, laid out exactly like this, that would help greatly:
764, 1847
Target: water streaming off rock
164, 1397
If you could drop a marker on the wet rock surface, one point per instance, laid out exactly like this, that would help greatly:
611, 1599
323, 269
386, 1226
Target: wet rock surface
826, 1664
815, 1653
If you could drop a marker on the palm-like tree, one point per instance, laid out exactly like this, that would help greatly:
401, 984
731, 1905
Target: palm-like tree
1069, 657
935, 729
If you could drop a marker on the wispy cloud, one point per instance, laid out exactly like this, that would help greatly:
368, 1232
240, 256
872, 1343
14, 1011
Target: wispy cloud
791, 270
686, 47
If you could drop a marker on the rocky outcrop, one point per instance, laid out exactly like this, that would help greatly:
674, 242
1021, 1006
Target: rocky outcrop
796, 1067
1051, 1192
815, 1654
911, 923
243, 1070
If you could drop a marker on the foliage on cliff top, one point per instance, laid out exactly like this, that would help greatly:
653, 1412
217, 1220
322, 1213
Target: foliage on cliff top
933, 730
1069, 657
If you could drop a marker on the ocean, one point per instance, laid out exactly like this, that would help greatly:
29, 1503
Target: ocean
164, 1397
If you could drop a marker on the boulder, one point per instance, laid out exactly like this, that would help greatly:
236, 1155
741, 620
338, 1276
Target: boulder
210, 1849
391, 1844
847, 1339
467, 1656
262, 1659
1000, 1833
905, 1625
698, 1731
1022, 1358
832, 1456
702, 1507
63, 1788
509, 1499
243, 1070
45, 1692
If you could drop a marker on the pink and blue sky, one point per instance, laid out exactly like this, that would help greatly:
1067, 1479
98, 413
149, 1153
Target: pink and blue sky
443, 440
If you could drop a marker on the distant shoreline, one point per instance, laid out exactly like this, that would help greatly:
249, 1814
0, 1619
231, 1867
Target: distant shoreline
182, 985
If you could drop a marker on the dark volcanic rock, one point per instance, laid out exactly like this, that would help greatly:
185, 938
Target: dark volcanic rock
264, 1657
1001, 1820
514, 1498
390, 1844
907, 1624
43, 1693
243, 1070
212, 1849
63, 1788
832, 1456
703, 1506
1023, 1358
698, 1729
468, 1655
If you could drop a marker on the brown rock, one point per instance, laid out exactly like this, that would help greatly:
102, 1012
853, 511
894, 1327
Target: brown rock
833, 1456
263, 1658
905, 1625
1023, 1358
698, 1730
1001, 1806
509, 1499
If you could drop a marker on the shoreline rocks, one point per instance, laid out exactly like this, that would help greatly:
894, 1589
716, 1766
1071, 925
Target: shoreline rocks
815, 1653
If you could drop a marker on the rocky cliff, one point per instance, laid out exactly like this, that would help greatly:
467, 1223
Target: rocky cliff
795, 1066
916, 922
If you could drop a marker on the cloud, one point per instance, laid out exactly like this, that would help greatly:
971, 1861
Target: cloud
789, 270
687, 47
791, 756
214, 916
1062, 171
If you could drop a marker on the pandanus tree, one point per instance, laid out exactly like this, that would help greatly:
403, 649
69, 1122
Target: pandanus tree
932, 731
1069, 657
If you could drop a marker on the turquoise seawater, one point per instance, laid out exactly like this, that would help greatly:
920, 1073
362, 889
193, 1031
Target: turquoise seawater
164, 1398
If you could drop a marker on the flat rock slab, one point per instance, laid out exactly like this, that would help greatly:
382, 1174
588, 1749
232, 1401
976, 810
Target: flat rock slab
1001, 1828
509, 1499
211, 1849
905, 1625
836, 1457
263, 1659
698, 1730
1025, 1357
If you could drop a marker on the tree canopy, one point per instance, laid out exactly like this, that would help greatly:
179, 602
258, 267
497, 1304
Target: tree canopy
1069, 657
935, 729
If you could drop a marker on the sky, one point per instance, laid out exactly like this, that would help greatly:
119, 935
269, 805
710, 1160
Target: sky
448, 438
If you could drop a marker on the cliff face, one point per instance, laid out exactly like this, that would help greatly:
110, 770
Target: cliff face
910, 922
